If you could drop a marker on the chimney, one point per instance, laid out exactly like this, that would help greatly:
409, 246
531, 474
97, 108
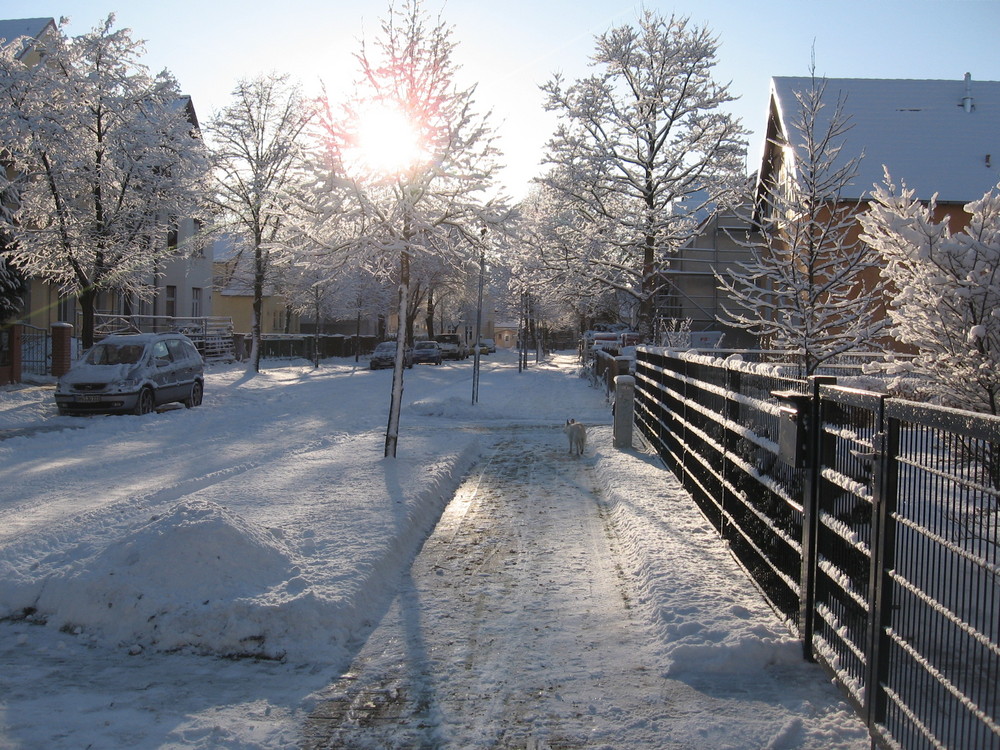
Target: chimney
967, 103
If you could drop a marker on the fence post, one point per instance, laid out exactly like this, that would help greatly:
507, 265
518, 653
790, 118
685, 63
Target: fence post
624, 410
884, 498
14, 344
813, 464
730, 444
62, 341
619, 366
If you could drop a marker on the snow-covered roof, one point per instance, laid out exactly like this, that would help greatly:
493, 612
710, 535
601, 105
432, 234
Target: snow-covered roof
186, 104
32, 28
939, 136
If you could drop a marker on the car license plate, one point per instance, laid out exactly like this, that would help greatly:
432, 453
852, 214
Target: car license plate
89, 398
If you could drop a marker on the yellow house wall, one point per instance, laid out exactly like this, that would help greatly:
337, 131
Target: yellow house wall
43, 303
240, 309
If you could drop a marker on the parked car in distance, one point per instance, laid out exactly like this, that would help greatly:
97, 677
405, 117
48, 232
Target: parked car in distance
385, 356
452, 346
427, 351
133, 374
489, 344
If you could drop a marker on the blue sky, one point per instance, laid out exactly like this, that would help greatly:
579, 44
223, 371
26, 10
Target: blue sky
510, 47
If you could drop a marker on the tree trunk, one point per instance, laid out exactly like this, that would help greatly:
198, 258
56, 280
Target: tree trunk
430, 313
88, 301
357, 337
258, 306
646, 302
317, 328
392, 430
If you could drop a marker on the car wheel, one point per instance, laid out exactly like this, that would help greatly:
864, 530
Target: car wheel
145, 403
194, 399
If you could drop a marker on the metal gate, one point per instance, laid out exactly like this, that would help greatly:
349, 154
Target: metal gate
905, 608
36, 350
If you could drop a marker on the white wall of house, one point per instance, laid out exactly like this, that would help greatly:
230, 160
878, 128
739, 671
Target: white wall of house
185, 287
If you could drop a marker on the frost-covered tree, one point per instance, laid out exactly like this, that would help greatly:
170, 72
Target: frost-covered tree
811, 286
545, 228
563, 297
102, 158
641, 152
416, 159
11, 281
258, 152
323, 294
11, 288
946, 293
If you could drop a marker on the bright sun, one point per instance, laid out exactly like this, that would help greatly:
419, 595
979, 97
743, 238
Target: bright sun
387, 141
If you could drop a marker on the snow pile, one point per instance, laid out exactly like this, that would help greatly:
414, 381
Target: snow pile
189, 578
453, 408
287, 556
705, 623
20, 406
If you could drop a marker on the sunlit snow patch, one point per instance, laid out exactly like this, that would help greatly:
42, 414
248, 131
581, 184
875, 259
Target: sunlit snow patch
453, 408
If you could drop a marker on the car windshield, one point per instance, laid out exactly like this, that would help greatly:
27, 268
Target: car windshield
385, 348
425, 345
115, 354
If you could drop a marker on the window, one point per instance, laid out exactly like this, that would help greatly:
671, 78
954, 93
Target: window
160, 351
67, 310
170, 302
181, 350
196, 302
199, 239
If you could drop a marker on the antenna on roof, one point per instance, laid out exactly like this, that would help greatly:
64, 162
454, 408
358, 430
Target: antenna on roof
967, 103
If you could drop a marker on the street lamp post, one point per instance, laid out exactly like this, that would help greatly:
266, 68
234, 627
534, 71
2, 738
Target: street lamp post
479, 321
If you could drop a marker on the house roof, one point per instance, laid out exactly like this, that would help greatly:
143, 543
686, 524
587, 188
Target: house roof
939, 136
32, 28
186, 104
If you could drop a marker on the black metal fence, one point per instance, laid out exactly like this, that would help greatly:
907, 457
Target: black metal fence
36, 350
302, 346
869, 523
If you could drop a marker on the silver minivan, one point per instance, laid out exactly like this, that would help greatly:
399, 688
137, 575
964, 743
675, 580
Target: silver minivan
133, 374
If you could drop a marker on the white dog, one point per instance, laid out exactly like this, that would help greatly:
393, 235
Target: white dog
577, 434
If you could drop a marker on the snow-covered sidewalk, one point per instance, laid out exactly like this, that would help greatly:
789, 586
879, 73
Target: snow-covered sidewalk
520, 626
201, 578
